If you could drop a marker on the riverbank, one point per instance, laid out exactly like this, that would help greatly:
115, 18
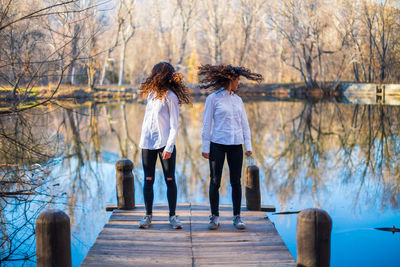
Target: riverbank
69, 91
130, 92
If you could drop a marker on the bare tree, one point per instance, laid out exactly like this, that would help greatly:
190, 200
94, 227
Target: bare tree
110, 49
373, 39
163, 20
127, 26
215, 28
310, 41
302, 24
37, 48
186, 10
250, 20
93, 29
381, 20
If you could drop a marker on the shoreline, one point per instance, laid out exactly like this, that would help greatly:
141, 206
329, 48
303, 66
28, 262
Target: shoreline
284, 91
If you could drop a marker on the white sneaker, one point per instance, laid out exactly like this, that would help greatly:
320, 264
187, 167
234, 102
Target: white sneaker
174, 222
238, 223
145, 222
214, 222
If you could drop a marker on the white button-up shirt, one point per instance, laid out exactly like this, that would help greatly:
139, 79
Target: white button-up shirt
160, 123
231, 126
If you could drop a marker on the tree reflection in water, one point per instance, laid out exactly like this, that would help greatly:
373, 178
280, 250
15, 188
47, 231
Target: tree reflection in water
25, 162
308, 143
63, 156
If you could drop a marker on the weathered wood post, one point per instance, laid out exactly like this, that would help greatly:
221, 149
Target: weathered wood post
253, 195
53, 239
313, 238
383, 93
125, 184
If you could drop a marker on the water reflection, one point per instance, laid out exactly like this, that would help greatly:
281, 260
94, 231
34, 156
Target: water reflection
314, 143
309, 154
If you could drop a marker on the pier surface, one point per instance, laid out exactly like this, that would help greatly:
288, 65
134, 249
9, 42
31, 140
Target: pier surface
122, 243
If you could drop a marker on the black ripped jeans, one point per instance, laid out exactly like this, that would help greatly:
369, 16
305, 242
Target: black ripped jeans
234, 155
149, 159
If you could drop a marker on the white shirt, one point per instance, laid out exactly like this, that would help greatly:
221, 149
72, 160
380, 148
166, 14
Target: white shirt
160, 123
231, 126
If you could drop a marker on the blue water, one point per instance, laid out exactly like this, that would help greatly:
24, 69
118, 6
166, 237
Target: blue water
354, 241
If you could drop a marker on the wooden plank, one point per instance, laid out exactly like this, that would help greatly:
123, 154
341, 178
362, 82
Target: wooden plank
268, 208
259, 244
142, 260
248, 264
122, 243
111, 207
233, 245
244, 253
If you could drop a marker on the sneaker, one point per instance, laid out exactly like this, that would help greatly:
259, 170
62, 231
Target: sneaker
214, 222
238, 223
174, 222
145, 222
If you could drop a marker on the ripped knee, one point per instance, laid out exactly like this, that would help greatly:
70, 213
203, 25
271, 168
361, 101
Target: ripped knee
149, 178
170, 179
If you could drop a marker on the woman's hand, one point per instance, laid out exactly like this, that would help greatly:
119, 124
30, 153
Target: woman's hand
248, 153
206, 155
166, 155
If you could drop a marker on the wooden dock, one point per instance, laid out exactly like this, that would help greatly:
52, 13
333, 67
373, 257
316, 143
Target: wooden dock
122, 243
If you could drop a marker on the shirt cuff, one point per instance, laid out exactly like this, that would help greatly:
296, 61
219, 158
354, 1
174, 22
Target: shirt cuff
169, 148
248, 146
206, 147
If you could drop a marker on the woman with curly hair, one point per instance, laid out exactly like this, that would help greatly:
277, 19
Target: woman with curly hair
225, 129
165, 91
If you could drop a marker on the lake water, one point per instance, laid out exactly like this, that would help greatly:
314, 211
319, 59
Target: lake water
338, 157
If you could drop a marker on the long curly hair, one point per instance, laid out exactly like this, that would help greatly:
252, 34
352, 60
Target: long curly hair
163, 77
216, 76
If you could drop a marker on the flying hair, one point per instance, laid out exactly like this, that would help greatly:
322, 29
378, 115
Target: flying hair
163, 77
216, 76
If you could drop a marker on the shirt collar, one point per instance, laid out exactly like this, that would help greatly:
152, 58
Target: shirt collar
220, 90
223, 92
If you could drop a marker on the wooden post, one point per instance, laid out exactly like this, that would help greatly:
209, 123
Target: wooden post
253, 195
53, 239
125, 184
313, 238
383, 93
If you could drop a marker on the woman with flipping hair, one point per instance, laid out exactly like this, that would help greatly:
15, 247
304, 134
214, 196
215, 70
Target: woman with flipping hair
165, 91
225, 114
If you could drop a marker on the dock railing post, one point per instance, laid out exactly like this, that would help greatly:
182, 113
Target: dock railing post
313, 238
125, 184
253, 195
53, 239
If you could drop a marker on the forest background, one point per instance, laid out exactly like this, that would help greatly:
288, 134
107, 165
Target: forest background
95, 43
